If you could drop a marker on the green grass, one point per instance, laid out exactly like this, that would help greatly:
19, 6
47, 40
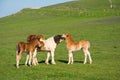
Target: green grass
92, 20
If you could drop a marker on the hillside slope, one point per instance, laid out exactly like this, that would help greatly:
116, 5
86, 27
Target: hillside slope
91, 20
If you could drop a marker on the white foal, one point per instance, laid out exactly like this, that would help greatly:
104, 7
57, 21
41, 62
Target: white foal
50, 46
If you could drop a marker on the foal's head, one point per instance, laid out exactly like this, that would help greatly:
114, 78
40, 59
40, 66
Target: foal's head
58, 39
66, 36
40, 37
41, 44
31, 38
38, 43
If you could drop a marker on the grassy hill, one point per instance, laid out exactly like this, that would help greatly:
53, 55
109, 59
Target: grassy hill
92, 20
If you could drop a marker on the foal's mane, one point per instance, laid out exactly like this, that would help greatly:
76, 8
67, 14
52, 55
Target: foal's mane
33, 37
70, 39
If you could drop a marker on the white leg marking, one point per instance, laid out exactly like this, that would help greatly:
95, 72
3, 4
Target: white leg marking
30, 58
17, 61
27, 58
72, 58
70, 55
68, 58
36, 61
34, 57
47, 59
85, 54
90, 59
53, 60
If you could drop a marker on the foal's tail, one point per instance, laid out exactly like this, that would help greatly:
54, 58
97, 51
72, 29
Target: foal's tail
17, 49
17, 55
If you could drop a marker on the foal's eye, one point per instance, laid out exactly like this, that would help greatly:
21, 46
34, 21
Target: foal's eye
67, 35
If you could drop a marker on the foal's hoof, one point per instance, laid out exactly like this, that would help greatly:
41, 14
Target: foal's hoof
68, 63
53, 63
17, 67
46, 63
84, 63
34, 64
37, 63
90, 62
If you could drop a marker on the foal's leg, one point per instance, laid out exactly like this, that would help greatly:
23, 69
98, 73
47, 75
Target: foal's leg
68, 58
48, 56
27, 58
17, 60
90, 59
34, 57
36, 61
30, 58
18, 57
72, 58
85, 53
53, 60
70, 55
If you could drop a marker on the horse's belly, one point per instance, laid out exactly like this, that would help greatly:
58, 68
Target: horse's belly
75, 48
49, 47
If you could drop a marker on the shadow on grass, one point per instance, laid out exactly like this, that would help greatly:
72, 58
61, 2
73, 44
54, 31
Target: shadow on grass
65, 61
62, 61
41, 61
19, 65
78, 61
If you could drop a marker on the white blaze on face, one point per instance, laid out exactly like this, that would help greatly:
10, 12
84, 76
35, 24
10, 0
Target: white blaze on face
64, 35
41, 39
61, 40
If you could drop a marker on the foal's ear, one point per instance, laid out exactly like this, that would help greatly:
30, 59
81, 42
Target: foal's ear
38, 38
67, 35
42, 36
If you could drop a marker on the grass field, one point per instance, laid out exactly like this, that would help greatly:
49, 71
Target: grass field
92, 20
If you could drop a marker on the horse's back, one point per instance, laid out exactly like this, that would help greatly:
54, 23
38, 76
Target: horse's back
31, 38
50, 44
22, 45
84, 43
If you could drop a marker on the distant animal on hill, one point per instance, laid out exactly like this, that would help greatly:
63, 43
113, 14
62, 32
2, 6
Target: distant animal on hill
50, 46
74, 46
30, 48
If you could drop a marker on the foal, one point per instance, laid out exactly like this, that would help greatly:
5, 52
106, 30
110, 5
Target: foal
74, 46
32, 37
30, 48
49, 46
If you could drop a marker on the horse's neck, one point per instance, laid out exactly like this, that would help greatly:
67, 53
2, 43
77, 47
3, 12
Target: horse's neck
34, 42
44, 41
70, 40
